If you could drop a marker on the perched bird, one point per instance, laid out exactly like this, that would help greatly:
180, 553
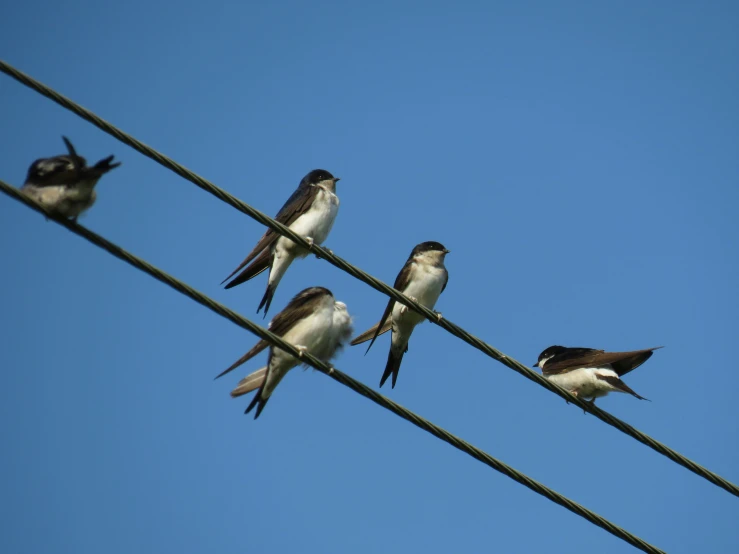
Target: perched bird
310, 212
423, 279
314, 323
64, 183
588, 373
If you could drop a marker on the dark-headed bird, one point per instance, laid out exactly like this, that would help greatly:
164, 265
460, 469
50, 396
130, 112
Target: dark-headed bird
310, 212
314, 323
588, 373
423, 279
65, 184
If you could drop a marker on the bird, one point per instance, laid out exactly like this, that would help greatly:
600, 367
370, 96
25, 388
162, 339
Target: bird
588, 373
310, 212
423, 278
315, 323
65, 184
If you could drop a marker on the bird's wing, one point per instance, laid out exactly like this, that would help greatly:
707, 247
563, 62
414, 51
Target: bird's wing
296, 205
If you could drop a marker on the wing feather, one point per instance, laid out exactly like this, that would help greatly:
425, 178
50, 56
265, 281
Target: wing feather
401, 282
296, 205
577, 358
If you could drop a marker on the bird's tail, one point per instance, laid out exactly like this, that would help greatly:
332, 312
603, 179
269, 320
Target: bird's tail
267, 298
250, 383
257, 401
281, 262
369, 333
104, 165
623, 387
392, 367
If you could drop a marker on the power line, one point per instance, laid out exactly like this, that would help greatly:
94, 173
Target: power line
368, 279
335, 374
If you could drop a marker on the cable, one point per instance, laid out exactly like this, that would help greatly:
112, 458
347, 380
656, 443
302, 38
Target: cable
335, 374
368, 279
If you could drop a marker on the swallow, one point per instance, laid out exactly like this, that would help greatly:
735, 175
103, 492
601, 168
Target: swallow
64, 183
314, 323
588, 373
310, 212
423, 279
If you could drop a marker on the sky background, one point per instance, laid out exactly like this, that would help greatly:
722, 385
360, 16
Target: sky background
580, 161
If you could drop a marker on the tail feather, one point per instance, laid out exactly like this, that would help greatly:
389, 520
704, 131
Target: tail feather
259, 402
261, 263
392, 367
369, 333
620, 385
104, 165
250, 383
267, 299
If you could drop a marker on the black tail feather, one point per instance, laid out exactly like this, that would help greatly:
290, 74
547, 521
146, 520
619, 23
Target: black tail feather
267, 299
104, 165
257, 401
392, 367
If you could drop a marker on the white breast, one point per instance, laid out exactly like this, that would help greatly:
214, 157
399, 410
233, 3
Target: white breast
425, 285
319, 219
338, 335
313, 332
68, 201
48, 196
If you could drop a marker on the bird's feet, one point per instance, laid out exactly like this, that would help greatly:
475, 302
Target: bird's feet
404, 308
301, 350
310, 241
439, 317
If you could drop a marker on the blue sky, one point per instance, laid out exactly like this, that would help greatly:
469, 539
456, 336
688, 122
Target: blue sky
579, 159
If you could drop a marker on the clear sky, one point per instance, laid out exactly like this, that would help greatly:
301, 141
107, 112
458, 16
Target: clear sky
579, 159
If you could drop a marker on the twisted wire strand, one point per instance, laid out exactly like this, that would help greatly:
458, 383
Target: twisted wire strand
368, 279
335, 374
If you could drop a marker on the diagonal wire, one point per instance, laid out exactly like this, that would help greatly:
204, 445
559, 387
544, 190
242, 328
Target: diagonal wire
368, 279
335, 374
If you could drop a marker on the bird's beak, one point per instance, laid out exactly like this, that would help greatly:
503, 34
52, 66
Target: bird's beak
446, 251
536, 364
337, 179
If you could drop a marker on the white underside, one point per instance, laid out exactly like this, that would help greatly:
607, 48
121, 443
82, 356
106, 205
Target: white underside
340, 334
322, 334
316, 223
67, 201
585, 383
425, 286
341, 331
